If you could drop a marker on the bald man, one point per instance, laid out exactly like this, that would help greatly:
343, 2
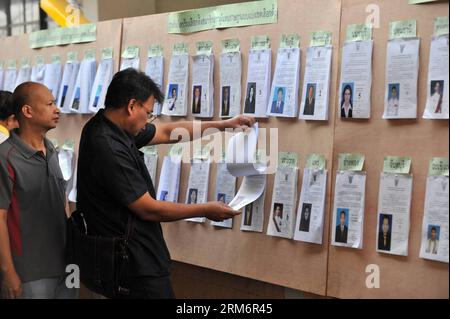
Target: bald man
33, 202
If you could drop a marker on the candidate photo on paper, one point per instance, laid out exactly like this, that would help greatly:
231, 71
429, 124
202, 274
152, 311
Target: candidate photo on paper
310, 99
225, 100
278, 100
192, 197
347, 100
173, 91
221, 197
163, 196
393, 98
196, 99
436, 89
433, 239
248, 215
305, 217
342, 225
250, 98
278, 216
384, 233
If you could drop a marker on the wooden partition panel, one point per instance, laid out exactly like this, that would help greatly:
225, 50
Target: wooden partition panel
400, 277
319, 269
284, 262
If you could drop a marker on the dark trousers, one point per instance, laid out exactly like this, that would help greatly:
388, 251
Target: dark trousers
149, 288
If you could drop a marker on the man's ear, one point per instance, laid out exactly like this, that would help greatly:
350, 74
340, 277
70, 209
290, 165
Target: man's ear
131, 105
26, 111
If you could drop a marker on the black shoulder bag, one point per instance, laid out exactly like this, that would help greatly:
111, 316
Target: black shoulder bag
103, 261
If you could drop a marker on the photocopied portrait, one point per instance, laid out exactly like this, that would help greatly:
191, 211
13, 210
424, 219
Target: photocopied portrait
437, 89
310, 99
163, 196
221, 197
278, 216
192, 196
342, 225
384, 234
249, 106
225, 100
433, 239
305, 217
347, 100
196, 99
248, 214
173, 95
278, 100
393, 99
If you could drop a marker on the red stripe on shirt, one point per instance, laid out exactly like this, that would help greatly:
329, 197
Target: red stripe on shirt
13, 218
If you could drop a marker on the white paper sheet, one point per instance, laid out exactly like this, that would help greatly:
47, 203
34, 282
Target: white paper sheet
202, 102
282, 209
24, 75
356, 80
151, 162
348, 209
65, 157
311, 207
394, 204
38, 73
435, 230
100, 85
78, 102
72, 197
176, 100
241, 154
251, 189
437, 87
2, 77
230, 84
129, 63
283, 98
155, 70
52, 77
68, 81
10, 79
402, 68
169, 179
316, 84
225, 191
197, 190
258, 82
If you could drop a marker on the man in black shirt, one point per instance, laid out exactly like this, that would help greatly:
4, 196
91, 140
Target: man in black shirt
113, 181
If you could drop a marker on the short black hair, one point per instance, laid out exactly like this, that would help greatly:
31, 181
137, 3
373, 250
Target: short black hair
433, 228
6, 105
280, 90
131, 84
342, 213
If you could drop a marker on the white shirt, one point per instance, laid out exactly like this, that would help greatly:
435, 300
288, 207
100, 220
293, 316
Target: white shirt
434, 100
432, 246
347, 109
393, 106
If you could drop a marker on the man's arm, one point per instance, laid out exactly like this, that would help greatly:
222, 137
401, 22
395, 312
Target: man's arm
11, 285
147, 208
163, 131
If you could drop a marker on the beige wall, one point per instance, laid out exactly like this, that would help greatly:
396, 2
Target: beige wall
178, 5
101, 10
